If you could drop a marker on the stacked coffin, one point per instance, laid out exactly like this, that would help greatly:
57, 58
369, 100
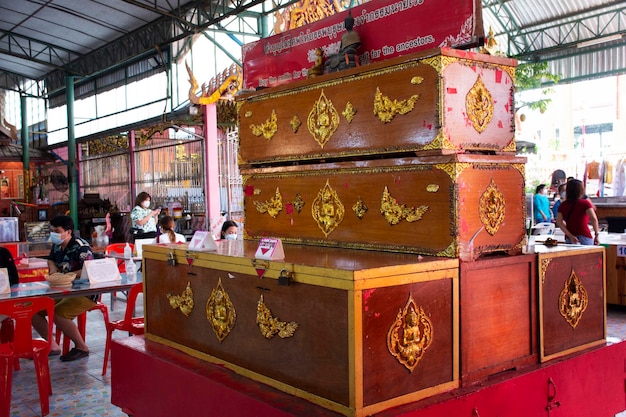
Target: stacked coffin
415, 154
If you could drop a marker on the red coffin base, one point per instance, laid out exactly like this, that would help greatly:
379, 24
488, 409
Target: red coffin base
152, 380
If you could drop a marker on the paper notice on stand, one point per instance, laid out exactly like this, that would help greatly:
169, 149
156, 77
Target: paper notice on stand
101, 270
202, 240
270, 249
5, 284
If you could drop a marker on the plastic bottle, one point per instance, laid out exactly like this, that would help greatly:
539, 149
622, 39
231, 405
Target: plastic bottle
131, 271
128, 252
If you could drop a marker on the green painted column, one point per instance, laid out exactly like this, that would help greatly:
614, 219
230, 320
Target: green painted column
72, 171
25, 149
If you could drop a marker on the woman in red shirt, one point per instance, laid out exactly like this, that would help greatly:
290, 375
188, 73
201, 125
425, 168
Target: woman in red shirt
575, 214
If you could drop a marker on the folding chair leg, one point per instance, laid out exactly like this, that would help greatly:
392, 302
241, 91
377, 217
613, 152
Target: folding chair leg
6, 382
40, 357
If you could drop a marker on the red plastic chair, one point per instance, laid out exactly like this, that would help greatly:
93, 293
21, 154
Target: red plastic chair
121, 264
130, 324
25, 346
82, 326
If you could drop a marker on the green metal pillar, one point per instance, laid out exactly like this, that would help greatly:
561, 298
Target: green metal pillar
25, 149
72, 171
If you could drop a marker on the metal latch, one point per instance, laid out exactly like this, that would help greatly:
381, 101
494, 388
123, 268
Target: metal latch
285, 277
171, 259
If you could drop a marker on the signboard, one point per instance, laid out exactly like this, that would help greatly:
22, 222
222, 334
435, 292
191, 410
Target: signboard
270, 249
101, 270
387, 28
621, 251
202, 240
37, 232
5, 284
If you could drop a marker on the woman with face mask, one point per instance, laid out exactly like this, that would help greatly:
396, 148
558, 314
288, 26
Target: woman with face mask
229, 230
143, 218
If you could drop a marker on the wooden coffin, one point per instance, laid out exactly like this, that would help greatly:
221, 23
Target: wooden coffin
572, 301
615, 272
439, 101
498, 315
353, 331
432, 205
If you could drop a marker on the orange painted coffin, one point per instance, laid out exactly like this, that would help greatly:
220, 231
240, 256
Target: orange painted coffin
572, 300
432, 205
353, 331
440, 101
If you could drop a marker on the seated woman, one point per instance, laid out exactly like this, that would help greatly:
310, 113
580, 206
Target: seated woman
168, 235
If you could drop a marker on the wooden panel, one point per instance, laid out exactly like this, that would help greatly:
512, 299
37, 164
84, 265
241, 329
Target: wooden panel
438, 83
455, 192
572, 300
498, 315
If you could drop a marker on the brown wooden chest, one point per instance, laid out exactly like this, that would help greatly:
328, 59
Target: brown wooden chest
572, 301
439, 101
498, 315
356, 332
432, 205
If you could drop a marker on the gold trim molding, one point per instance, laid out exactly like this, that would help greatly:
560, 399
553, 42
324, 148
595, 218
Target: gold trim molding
220, 312
270, 326
410, 335
543, 267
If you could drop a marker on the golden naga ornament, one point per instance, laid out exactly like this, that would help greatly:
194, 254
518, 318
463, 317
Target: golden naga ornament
410, 335
183, 302
220, 312
386, 109
359, 208
323, 120
273, 206
479, 105
267, 128
270, 326
573, 300
394, 213
327, 210
491, 208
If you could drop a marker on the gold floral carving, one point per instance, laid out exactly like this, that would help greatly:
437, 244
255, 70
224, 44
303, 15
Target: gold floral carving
453, 169
417, 80
394, 213
543, 267
432, 188
349, 112
450, 252
386, 109
273, 206
298, 203
267, 128
327, 210
410, 335
183, 302
439, 63
510, 147
295, 123
323, 120
220, 312
491, 208
359, 208
573, 300
479, 105
269, 325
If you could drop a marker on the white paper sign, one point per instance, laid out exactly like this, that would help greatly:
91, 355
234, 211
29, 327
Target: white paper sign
621, 250
202, 240
270, 249
5, 284
101, 270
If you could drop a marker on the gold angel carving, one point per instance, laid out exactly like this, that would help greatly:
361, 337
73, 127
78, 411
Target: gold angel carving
386, 109
273, 206
479, 105
394, 212
327, 209
220, 312
267, 128
184, 302
410, 335
323, 120
270, 325
573, 300
492, 208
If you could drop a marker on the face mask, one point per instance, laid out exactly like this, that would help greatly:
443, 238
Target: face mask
55, 238
145, 204
232, 236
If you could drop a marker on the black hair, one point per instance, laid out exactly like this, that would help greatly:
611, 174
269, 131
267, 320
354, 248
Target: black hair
225, 226
65, 222
141, 197
539, 188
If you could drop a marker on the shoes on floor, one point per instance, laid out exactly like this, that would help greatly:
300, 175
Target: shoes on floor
74, 354
54, 353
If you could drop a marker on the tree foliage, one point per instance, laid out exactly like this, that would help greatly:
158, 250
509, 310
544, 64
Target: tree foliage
532, 76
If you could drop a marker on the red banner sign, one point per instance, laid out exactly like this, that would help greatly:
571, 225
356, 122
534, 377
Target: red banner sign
387, 28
